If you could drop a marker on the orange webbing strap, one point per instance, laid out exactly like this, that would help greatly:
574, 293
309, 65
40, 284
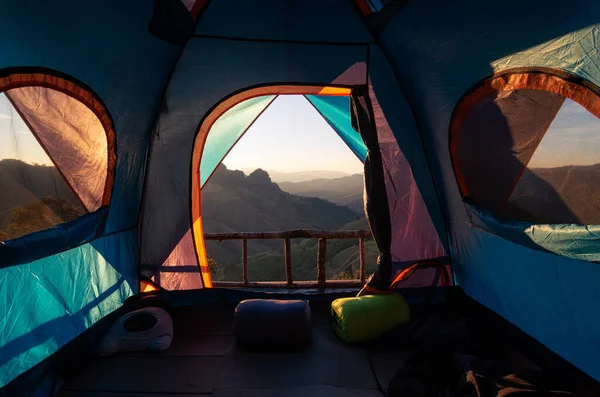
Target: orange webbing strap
406, 273
148, 286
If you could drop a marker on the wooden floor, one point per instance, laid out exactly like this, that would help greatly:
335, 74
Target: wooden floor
205, 360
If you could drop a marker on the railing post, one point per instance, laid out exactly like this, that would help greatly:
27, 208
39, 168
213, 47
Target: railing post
362, 259
321, 260
245, 261
287, 252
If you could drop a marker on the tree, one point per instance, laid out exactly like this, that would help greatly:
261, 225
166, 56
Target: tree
212, 265
347, 275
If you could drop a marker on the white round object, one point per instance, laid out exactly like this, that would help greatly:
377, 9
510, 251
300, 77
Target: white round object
156, 336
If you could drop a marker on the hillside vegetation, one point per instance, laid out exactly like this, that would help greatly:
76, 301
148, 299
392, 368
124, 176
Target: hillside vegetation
32, 198
234, 202
347, 191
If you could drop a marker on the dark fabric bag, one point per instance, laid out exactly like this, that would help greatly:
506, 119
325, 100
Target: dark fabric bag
267, 322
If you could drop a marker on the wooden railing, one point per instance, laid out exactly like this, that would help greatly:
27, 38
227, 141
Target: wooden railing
287, 236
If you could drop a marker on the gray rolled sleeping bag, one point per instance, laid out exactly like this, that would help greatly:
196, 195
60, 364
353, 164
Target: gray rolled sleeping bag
268, 322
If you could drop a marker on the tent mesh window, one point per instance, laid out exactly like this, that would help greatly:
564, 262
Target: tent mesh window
53, 160
526, 147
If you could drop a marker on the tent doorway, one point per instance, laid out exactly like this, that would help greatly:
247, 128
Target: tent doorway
289, 171
329, 106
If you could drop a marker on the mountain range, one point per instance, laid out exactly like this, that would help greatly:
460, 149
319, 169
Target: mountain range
568, 194
299, 176
234, 202
347, 190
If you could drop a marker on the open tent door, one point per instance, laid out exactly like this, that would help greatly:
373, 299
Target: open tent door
332, 104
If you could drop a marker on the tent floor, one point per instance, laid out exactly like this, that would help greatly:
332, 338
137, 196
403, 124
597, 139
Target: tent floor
205, 360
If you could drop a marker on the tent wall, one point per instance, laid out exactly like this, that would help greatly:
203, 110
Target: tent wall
418, 230
109, 49
329, 21
46, 302
438, 51
196, 87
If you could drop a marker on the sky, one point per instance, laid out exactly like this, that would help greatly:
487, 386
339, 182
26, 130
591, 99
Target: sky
291, 136
572, 139
15, 139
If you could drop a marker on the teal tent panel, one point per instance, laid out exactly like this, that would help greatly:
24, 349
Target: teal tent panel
574, 241
336, 110
575, 52
227, 130
46, 303
550, 297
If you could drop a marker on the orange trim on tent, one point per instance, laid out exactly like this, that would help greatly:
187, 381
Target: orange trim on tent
507, 82
335, 91
406, 273
147, 286
200, 141
363, 6
197, 8
18, 80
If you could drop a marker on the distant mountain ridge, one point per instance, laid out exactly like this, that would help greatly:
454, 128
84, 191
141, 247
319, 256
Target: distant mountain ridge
22, 183
566, 194
234, 202
347, 190
299, 176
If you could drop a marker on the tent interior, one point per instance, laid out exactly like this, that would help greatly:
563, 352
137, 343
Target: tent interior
479, 135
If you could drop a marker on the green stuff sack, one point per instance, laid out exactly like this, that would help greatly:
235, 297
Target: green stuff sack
367, 317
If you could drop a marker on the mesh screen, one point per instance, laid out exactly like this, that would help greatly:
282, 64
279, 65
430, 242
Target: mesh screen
72, 136
532, 155
414, 236
53, 160
498, 138
561, 183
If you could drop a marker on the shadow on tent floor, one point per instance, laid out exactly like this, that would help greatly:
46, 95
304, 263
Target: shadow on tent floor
205, 360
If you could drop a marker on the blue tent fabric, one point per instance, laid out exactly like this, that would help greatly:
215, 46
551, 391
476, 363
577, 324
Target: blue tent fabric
336, 110
46, 303
574, 241
550, 297
516, 281
332, 21
52, 241
59, 282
